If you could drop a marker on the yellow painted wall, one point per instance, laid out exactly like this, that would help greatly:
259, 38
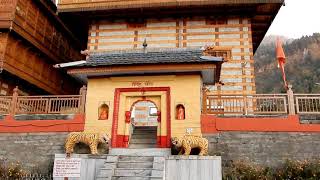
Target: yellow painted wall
184, 89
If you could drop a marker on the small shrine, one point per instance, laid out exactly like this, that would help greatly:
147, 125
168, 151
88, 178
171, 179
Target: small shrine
158, 91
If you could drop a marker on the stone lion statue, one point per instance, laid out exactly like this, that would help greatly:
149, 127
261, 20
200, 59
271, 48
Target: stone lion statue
188, 142
90, 139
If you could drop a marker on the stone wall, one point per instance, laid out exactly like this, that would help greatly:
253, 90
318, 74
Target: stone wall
264, 148
35, 151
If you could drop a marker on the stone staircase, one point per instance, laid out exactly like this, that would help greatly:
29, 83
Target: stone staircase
144, 137
127, 167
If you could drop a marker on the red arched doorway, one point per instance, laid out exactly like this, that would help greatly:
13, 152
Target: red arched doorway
117, 139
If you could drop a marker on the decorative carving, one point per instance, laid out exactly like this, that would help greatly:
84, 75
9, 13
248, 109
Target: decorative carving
103, 112
86, 53
159, 116
188, 142
180, 110
91, 139
128, 117
217, 52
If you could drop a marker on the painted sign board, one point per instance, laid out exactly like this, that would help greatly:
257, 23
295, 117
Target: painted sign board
67, 167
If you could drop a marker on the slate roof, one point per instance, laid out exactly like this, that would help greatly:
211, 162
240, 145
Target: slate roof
140, 57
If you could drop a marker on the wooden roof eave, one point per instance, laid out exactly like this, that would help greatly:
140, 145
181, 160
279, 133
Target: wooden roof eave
139, 68
82, 73
89, 5
260, 29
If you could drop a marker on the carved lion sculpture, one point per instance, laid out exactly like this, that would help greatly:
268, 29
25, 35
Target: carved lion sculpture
187, 142
91, 139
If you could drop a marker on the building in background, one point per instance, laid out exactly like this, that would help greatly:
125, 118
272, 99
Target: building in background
32, 39
164, 53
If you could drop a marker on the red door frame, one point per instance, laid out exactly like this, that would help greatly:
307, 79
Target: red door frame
118, 140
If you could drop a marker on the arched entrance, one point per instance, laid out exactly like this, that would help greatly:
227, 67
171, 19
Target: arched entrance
123, 118
144, 116
144, 113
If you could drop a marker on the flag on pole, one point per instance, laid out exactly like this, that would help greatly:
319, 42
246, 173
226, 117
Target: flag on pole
281, 60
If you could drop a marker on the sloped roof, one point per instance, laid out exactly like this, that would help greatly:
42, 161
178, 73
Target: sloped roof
149, 56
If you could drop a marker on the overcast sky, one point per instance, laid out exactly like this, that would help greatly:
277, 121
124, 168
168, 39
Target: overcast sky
297, 18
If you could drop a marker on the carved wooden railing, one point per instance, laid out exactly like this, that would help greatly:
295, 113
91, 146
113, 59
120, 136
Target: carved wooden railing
62, 104
246, 104
307, 103
48, 104
5, 104
261, 104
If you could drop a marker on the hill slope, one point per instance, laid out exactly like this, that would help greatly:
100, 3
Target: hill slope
302, 67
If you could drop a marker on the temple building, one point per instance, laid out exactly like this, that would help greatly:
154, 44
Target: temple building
148, 62
151, 72
32, 39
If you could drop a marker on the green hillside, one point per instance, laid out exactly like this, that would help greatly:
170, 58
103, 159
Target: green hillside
302, 67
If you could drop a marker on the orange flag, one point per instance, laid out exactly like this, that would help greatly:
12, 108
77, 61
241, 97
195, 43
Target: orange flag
281, 60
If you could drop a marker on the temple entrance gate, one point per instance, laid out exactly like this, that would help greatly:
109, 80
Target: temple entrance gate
144, 113
144, 123
144, 109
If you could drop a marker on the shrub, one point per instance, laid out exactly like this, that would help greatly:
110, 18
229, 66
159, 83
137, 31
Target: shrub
243, 170
11, 170
297, 170
290, 170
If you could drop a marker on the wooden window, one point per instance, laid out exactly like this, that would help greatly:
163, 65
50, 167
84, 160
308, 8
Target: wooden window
218, 52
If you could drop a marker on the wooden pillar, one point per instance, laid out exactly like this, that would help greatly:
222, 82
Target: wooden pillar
14, 101
83, 93
204, 100
290, 100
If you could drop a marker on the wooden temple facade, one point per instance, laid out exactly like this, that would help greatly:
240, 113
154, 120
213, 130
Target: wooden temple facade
149, 63
235, 26
159, 68
32, 39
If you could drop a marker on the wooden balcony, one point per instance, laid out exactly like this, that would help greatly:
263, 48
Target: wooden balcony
38, 24
63, 104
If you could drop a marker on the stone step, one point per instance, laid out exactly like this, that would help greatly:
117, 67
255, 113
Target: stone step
142, 145
145, 127
143, 136
103, 178
140, 151
143, 140
132, 172
135, 164
136, 158
144, 132
103, 173
135, 178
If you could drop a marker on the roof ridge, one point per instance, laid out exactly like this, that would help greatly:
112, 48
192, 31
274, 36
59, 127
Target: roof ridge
146, 51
